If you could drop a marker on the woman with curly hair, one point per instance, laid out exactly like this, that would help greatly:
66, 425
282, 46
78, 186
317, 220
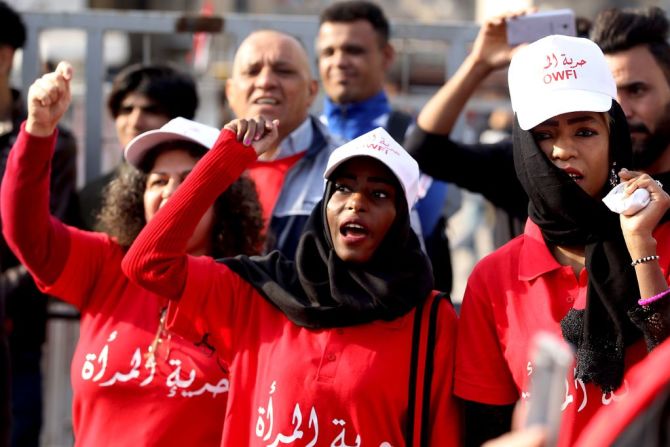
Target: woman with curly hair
134, 382
236, 211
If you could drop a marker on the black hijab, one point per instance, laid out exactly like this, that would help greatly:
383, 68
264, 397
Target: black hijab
319, 290
568, 216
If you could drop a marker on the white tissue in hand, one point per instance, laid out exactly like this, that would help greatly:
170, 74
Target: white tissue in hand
617, 201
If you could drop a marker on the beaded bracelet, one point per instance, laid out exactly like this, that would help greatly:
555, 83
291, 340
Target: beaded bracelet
651, 299
645, 259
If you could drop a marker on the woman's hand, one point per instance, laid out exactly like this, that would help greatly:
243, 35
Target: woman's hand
257, 133
490, 46
637, 229
48, 99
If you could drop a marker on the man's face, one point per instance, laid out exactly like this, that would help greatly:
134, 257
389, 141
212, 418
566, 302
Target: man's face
137, 114
271, 78
644, 94
352, 60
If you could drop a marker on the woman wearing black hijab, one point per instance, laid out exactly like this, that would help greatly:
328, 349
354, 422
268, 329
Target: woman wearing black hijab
580, 271
334, 348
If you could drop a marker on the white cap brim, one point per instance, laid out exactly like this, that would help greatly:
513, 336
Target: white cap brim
558, 102
141, 144
177, 129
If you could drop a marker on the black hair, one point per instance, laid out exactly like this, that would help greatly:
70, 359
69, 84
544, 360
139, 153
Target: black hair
583, 26
173, 91
353, 10
616, 30
12, 29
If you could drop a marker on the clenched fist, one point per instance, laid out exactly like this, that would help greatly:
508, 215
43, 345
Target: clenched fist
48, 99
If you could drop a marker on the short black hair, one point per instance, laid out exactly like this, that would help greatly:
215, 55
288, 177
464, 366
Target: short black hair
12, 29
616, 30
173, 91
353, 10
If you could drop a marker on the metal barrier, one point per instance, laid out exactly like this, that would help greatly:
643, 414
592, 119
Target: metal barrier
237, 26
95, 23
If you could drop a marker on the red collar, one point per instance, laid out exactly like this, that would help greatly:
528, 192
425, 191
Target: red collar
535, 259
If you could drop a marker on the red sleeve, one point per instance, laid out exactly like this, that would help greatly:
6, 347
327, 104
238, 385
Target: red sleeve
645, 381
38, 239
482, 374
157, 259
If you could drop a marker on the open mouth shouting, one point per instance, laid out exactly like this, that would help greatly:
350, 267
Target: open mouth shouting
353, 231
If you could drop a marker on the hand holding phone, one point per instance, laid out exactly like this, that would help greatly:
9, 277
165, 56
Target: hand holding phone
531, 27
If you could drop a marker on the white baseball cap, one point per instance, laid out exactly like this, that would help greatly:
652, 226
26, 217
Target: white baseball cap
380, 145
556, 75
179, 129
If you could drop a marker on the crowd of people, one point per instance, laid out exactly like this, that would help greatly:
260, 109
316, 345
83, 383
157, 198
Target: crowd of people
286, 279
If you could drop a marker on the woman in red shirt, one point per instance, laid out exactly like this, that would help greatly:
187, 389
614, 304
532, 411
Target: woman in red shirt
347, 345
134, 383
579, 269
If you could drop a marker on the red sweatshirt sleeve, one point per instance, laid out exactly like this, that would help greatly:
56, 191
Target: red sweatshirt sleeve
157, 259
39, 240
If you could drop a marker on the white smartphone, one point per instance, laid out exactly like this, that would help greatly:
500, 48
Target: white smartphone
552, 360
530, 27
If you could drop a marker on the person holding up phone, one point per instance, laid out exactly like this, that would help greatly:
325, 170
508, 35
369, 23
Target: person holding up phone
580, 271
531, 27
482, 168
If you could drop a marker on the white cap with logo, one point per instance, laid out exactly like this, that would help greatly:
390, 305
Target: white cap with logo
556, 75
380, 145
179, 129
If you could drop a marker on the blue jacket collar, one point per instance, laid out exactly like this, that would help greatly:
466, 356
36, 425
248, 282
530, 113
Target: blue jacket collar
349, 121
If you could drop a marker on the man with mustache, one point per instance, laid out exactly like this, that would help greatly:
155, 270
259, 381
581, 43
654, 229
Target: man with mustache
635, 45
271, 77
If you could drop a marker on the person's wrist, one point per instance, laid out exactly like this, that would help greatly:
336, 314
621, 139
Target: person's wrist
640, 246
478, 65
37, 129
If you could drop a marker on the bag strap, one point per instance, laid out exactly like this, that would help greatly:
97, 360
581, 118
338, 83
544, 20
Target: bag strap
424, 332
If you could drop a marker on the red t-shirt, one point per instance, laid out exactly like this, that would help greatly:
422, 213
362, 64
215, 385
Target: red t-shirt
645, 380
512, 294
289, 385
269, 179
120, 398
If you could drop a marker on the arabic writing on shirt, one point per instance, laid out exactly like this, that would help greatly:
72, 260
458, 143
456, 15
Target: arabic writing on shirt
265, 423
572, 394
175, 383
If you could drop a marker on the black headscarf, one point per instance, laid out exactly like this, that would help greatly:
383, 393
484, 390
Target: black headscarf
568, 216
319, 290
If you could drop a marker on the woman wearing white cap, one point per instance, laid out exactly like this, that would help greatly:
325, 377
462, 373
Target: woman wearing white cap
335, 348
134, 383
579, 271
